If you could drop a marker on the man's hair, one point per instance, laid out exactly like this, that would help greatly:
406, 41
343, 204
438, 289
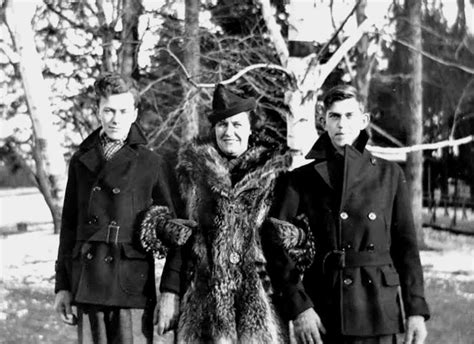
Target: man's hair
113, 83
341, 92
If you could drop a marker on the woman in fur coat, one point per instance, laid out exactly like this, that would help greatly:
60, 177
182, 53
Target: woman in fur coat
227, 183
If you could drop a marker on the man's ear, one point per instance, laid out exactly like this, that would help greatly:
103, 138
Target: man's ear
365, 120
322, 121
135, 113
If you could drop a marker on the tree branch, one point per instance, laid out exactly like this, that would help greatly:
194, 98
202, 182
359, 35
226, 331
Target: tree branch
231, 79
432, 57
274, 31
348, 44
421, 147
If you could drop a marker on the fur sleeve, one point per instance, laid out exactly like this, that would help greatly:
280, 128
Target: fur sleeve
295, 237
159, 231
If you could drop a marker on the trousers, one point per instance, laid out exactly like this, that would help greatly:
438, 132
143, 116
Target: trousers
114, 325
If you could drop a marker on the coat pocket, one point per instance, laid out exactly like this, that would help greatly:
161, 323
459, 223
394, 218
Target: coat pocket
134, 269
389, 292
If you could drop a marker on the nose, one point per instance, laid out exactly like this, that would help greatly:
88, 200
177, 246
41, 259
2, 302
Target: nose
114, 118
342, 122
229, 130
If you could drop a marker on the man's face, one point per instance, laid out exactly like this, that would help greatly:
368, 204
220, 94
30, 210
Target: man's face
117, 112
232, 134
343, 121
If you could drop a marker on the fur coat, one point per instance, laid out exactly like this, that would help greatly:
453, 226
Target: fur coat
229, 200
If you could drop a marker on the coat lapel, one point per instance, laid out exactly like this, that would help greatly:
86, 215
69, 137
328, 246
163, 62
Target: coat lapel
92, 159
323, 171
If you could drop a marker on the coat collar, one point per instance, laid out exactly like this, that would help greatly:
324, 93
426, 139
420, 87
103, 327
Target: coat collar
135, 137
355, 156
201, 160
91, 155
324, 149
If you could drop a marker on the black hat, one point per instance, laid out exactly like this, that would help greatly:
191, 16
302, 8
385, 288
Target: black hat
226, 104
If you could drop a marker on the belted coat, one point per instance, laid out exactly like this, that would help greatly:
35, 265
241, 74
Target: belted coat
100, 259
366, 248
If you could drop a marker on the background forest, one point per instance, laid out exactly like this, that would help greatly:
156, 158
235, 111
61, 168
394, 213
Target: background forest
412, 60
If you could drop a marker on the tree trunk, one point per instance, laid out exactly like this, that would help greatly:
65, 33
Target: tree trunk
415, 116
190, 127
107, 35
47, 150
364, 62
132, 9
308, 74
469, 13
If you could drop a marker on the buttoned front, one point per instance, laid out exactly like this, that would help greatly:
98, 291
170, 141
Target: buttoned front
100, 259
363, 228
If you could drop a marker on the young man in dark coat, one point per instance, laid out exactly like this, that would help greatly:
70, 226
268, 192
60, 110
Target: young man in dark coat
101, 267
359, 213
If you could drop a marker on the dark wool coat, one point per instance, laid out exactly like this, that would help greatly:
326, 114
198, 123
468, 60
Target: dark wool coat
100, 259
229, 200
366, 248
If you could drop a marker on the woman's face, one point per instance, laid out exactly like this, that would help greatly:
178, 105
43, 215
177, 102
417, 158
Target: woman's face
232, 134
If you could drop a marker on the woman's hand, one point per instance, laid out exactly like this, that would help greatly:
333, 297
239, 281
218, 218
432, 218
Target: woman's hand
166, 312
307, 327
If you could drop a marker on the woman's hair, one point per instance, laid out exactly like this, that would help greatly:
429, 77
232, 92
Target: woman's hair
113, 83
341, 92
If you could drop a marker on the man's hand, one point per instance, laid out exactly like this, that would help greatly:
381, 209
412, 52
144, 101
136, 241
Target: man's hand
416, 330
166, 312
62, 305
307, 327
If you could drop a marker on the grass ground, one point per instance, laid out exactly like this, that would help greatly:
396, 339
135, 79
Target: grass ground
27, 270
26, 297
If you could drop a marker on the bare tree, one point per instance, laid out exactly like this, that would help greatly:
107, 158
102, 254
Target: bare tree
132, 9
191, 62
308, 73
414, 117
46, 148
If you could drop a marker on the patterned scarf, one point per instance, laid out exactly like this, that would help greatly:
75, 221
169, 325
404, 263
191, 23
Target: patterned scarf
110, 147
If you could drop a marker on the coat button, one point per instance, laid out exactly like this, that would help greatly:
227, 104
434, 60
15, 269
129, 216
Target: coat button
372, 216
116, 190
96, 188
373, 161
344, 215
370, 247
93, 220
347, 281
89, 256
108, 259
234, 257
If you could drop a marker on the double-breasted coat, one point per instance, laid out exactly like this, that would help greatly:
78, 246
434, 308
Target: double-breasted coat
100, 258
366, 248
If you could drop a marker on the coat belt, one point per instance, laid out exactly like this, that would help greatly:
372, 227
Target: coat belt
340, 259
111, 234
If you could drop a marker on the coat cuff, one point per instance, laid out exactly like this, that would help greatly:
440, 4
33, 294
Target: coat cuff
294, 303
171, 282
417, 305
61, 278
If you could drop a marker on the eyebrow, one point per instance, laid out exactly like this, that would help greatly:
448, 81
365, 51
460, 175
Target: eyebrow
340, 114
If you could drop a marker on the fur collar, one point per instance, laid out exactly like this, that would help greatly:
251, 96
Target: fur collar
201, 161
